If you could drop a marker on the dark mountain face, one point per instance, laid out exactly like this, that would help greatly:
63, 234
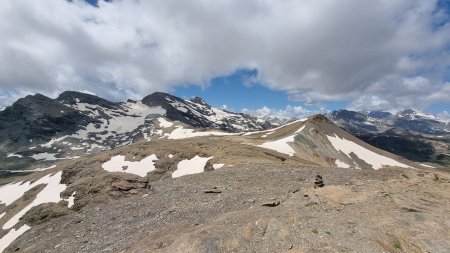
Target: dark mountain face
74, 97
197, 113
379, 114
414, 135
37, 118
349, 115
176, 108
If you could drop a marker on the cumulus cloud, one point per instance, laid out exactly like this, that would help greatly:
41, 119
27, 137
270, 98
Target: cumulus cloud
290, 112
359, 50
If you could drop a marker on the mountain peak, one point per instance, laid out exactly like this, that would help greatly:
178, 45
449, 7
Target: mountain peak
73, 97
198, 100
379, 114
159, 99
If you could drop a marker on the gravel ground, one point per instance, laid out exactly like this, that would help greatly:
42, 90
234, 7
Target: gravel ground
263, 208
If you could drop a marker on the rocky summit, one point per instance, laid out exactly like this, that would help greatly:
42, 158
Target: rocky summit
170, 175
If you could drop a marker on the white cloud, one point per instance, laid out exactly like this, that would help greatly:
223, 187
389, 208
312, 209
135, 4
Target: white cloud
289, 112
445, 115
313, 50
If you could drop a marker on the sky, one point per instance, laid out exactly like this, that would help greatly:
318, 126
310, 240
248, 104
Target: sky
257, 56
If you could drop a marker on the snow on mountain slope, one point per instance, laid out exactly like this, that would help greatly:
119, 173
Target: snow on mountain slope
322, 142
11, 193
414, 135
192, 166
78, 124
377, 122
282, 145
132, 169
140, 168
370, 157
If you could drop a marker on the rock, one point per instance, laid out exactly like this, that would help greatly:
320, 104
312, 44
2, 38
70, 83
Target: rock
318, 181
212, 191
271, 203
122, 185
115, 193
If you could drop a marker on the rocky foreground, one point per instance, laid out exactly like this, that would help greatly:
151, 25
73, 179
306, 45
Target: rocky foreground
261, 208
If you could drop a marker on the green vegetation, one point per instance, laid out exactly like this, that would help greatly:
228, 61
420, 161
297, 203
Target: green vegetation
397, 245
443, 159
387, 194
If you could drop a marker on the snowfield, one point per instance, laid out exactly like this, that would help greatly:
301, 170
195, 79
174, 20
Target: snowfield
164, 123
192, 166
118, 164
270, 131
282, 145
370, 157
50, 194
12, 235
182, 133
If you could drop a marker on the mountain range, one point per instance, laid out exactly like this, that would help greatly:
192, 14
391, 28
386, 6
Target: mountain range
36, 130
164, 174
414, 135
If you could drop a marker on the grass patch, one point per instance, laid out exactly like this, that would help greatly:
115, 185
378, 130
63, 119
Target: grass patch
315, 231
387, 194
397, 245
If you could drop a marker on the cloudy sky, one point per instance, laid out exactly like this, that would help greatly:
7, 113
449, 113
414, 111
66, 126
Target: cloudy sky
258, 55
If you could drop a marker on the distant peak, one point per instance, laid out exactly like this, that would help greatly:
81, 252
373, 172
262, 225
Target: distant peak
407, 111
33, 98
318, 118
198, 100
73, 97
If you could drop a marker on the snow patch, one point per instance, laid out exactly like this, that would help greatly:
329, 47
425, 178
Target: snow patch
280, 145
192, 166
43, 169
370, 157
141, 168
275, 129
164, 123
341, 164
50, 194
182, 133
218, 165
11, 236
301, 129
71, 200
44, 156
265, 135
14, 155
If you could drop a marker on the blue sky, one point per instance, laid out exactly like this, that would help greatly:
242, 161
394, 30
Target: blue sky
234, 92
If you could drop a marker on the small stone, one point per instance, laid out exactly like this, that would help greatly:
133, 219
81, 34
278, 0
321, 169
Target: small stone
212, 191
271, 203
